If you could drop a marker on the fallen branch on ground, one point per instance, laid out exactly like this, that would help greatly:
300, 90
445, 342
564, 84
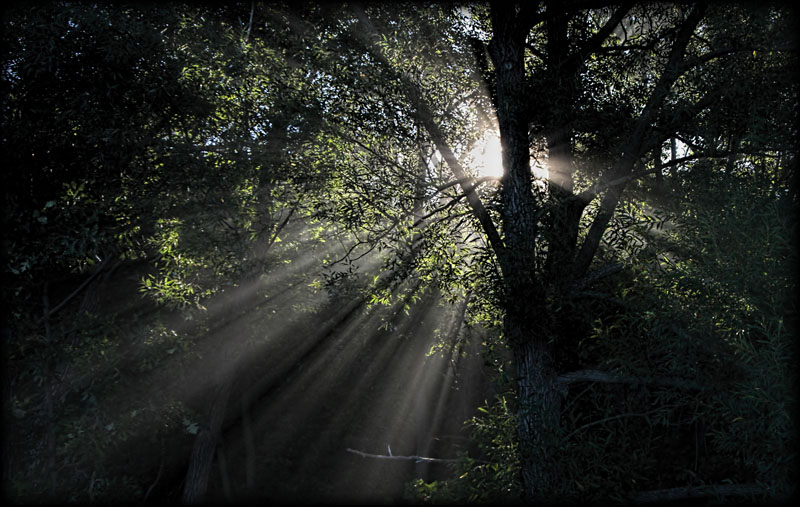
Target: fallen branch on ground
417, 459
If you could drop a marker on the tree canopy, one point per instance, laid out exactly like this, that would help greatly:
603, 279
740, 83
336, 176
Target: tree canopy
209, 207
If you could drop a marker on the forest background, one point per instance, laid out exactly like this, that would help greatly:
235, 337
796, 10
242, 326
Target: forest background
271, 251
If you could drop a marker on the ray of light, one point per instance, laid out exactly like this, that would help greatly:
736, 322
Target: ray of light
360, 386
314, 364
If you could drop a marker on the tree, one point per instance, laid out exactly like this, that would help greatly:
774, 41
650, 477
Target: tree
201, 140
600, 129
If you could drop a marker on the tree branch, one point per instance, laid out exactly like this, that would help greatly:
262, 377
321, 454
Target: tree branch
155, 482
720, 52
452, 202
592, 192
372, 242
598, 274
614, 378
280, 228
470, 180
687, 492
595, 42
636, 144
612, 418
77, 291
417, 459
250, 23
425, 116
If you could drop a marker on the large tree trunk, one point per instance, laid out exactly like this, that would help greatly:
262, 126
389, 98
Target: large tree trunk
538, 415
525, 324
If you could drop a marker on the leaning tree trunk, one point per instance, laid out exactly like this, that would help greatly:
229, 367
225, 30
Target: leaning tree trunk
205, 446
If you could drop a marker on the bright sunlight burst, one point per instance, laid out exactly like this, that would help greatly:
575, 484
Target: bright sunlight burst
488, 158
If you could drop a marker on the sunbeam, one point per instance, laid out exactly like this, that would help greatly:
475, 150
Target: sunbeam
282, 253
310, 377
312, 392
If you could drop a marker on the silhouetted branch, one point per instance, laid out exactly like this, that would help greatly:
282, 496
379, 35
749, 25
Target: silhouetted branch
77, 291
280, 228
612, 418
424, 114
614, 378
598, 274
685, 493
470, 180
636, 144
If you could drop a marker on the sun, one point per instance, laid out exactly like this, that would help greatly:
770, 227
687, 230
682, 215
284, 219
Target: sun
488, 158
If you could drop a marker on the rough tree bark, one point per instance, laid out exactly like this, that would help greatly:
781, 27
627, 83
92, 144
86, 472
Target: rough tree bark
205, 445
537, 381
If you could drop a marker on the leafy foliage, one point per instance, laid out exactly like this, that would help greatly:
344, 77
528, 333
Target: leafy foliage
190, 154
492, 478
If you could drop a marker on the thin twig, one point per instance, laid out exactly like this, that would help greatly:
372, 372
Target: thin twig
469, 180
